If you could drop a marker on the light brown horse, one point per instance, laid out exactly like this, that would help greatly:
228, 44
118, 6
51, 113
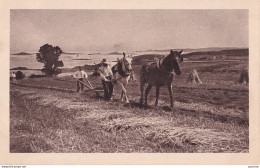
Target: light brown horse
122, 72
160, 73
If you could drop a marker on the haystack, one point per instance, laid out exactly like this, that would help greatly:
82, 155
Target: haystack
244, 78
194, 77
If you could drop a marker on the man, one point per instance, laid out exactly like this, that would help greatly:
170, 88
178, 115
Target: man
106, 76
80, 74
13, 77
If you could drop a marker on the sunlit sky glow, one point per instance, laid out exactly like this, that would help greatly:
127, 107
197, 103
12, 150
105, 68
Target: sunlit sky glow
78, 30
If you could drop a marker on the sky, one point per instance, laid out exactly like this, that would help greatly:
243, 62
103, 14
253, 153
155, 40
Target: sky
132, 30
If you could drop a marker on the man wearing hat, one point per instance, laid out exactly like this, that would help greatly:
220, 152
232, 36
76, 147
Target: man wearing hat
106, 77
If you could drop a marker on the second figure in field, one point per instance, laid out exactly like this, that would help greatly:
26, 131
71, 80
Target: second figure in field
80, 75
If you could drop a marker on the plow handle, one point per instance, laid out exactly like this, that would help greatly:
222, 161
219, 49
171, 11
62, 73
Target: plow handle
83, 83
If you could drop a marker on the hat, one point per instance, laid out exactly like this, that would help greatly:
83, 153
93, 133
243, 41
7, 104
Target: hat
105, 61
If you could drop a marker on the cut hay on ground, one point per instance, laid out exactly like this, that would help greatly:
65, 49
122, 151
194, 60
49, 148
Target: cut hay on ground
161, 131
122, 124
209, 108
207, 139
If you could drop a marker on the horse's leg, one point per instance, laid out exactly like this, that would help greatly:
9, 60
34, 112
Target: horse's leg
157, 95
121, 98
142, 82
126, 98
170, 93
142, 90
123, 91
146, 93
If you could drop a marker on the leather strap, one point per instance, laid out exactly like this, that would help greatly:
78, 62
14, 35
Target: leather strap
162, 69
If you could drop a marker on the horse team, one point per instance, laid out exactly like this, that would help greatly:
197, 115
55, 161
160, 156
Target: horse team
158, 74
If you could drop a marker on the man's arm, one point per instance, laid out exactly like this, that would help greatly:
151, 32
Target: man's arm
110, 73
76, 74
85, 75
102, 75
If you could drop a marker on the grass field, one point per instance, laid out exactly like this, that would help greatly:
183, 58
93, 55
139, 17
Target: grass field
47, 115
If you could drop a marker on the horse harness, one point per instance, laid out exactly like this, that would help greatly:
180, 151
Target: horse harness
119, 68
160, 67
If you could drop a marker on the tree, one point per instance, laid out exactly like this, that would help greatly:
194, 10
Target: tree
49, 55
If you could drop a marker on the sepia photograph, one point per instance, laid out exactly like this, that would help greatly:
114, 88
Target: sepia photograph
129, 81
92, 82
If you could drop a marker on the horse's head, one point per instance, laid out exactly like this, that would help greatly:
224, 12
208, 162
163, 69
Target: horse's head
173, 60
127, 62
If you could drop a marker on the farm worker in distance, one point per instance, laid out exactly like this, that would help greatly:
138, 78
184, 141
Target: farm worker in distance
13, 77
106, 76
80, 74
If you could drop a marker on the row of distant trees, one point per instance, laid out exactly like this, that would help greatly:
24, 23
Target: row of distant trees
49, 55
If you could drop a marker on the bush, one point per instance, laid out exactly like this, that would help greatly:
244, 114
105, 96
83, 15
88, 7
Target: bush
19, 75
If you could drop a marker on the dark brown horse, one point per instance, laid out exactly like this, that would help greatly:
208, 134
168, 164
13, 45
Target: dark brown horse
160, 73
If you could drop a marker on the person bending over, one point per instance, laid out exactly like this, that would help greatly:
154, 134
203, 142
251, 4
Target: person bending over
80, 75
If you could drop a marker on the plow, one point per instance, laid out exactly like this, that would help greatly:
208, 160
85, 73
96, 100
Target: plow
89, 86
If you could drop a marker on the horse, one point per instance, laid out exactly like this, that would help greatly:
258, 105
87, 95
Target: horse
122, 72
160, 73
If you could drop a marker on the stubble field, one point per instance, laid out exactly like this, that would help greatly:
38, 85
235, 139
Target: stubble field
47, 115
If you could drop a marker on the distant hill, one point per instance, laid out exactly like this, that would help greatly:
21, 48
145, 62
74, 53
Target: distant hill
85, 67
20, 68
196, 49
115, 53
202, 55
82, 59
145, 58
94, 54
22, 53
233, 52
70, 53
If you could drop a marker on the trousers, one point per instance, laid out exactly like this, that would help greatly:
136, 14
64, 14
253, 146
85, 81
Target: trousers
80, 86
108, 88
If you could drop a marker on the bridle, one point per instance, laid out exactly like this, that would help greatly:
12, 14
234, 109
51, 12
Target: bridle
126, 66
